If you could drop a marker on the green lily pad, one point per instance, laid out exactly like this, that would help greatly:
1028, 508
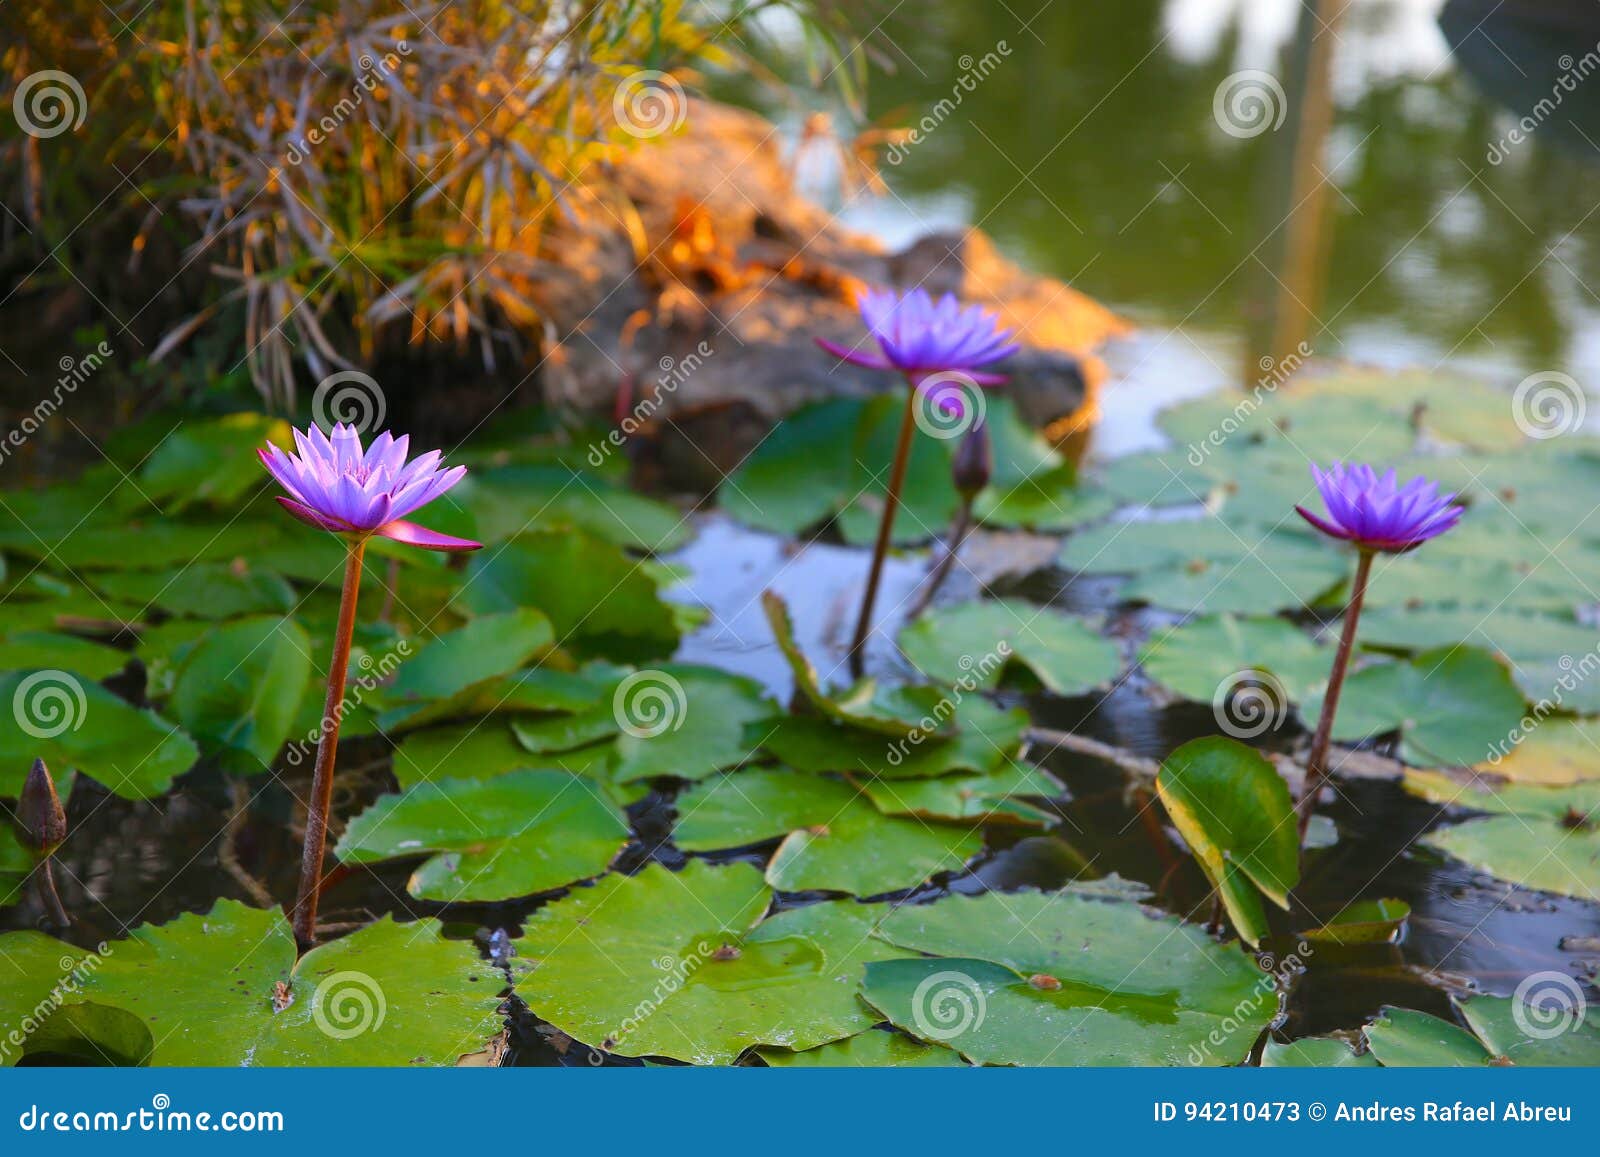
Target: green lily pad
508, 500
1531, 852
1208, 657
684, 721
1452, 706
969, 645
1052, 501
801, 474
673, 964
211, 460
204, 591
38, 974
985, 740
73, 724
834, 840
601, 603
482, 749
486, 647
1364, 922
990, 796
28, 650
518, 834
1234, 811
389, 994
1551, 1025
1063, 979
241, 688
16, 865
867, 1050
1315, 1052
1400, 1038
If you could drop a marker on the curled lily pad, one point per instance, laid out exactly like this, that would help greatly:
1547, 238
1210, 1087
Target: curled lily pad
1234, 811
518, 834
674, 964
76, 724
834, 839
971, 644
210, 460
1364, 922
1402, 1038
1205, 658
225, 988
867, 1050
1035, 979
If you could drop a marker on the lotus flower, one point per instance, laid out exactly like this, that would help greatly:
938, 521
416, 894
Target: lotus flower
334, 485
1377, 513
920, 336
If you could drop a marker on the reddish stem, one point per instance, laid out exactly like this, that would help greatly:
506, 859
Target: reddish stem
305, 905
45, 881
941, 569
891, 504
1317, 761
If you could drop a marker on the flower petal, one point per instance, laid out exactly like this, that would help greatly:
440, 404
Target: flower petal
310, 517
854, 357
413, 535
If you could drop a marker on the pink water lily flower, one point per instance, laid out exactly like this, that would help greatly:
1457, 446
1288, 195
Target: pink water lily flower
334, 485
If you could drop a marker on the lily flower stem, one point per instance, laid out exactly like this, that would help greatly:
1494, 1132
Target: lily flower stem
940, 570
891, 504
1317, 760
44, 880
305, 905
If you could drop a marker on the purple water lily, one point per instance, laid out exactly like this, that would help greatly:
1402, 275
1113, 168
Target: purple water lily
919, 336
334, 485
1376, 513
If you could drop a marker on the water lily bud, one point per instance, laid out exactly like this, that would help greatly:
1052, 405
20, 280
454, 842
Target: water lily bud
40, 817
973, 463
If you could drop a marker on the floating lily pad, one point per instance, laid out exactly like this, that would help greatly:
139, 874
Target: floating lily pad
684, 721
990, 796
1063, 979
971, 644
1315, 1052
986, 738
205, 591
1551, 1026
674, 965
801, 474
509, 500
1452, 706
1554, 752
482, 749
240, 688
1579, 802
1053, 501
1209, 656
211, 460
1364, 922
212, 991
1234, 811
483, 649
1402, 1038
867, 1050
37, 974
16, 865
28, 650
835, 841
518, 834
1544, 854
74, 724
